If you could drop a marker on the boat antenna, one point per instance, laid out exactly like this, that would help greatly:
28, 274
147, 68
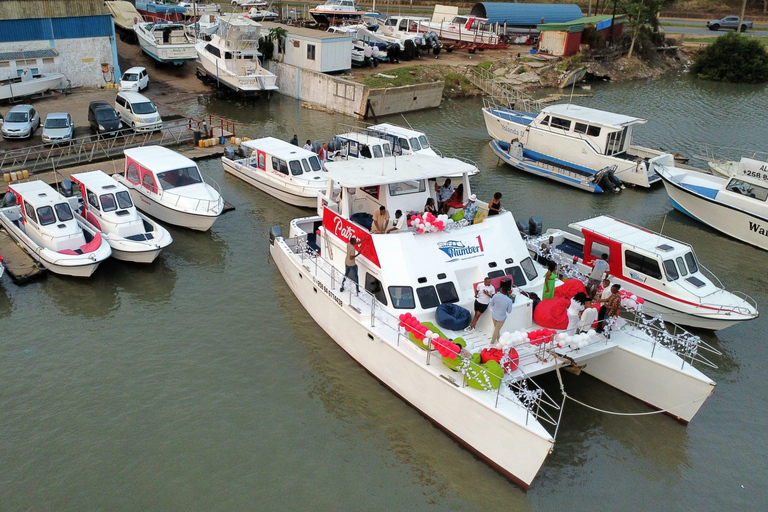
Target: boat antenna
573, 86
662, 224
406, 122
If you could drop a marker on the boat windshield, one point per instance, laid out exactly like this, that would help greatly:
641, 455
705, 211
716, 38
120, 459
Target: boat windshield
17, 117
415, 144
179, 177
64, 212
690, 260
387, 150
146, 107
108, 202
124, 199
131, 77
59, 122
377, 151
315, 163
423, 141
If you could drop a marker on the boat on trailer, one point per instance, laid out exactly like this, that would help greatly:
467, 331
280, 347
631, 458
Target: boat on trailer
106, 207
28, 84
663, 271
736, 206
170, 188
576, 136
43, 223
166, 41
405, 276
289, 173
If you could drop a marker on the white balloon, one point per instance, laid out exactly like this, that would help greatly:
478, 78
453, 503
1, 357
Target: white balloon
582, 344
633, 297
560, 336
429, 334
592, 333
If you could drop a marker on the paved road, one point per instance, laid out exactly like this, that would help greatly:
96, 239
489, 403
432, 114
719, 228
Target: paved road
699, 28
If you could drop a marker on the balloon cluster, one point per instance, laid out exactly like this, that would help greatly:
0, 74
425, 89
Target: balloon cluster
541, 336
507, 339
631, 302
445, 348
430, 223
576, 340
510, 358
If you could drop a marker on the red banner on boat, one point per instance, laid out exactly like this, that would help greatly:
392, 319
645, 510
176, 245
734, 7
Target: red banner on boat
344, 230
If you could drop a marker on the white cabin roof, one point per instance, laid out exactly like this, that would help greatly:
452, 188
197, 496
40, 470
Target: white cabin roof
158, 159
363, 138
592, 115
630, 234
381, 171
395, 130
278, 148
37, 193
238, 20
98, 180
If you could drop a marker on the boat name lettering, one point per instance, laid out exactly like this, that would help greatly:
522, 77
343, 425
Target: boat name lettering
328, 292
513, 131
342, 231
757, 228
637, 277
455, 249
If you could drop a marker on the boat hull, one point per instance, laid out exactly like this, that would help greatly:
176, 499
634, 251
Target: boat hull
286, 192
334, 18
124, 249
30, 87
172, 54
437, 398
734, 222
243, 85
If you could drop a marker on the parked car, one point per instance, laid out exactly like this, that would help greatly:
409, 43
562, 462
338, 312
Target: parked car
138, 112
21, 122
731, 22
103, 118
57, 128
135, 79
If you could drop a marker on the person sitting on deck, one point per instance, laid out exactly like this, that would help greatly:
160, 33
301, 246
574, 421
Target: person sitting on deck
399, 223
456, 200
444, 193
380, 220
430, 207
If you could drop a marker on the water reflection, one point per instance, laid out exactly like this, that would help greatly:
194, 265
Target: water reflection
207, 249
6, 306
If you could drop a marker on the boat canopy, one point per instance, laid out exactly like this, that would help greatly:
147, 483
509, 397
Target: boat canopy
629, 234
592, 115
278, 148
158, 159
362, 173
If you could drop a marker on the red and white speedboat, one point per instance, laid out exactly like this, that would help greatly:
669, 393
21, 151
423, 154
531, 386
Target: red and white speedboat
405, 276
42, 222
663, 271
107, 207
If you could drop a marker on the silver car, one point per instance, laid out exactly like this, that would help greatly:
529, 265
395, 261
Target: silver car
58, 128
21, 122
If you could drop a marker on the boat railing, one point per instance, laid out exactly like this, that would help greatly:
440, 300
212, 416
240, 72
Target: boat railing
501, 92
206, 205
518, 389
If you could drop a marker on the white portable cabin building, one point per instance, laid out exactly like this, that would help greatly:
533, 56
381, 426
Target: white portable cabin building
324, 52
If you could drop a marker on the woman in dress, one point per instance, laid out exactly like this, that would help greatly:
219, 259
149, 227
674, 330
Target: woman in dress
549, 281
494, 207
574, 310
430, 206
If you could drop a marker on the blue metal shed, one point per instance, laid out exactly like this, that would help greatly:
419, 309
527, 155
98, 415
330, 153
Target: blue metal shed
519, 15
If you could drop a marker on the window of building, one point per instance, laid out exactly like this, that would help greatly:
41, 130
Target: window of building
5, 63
642, 264
373, 285
402, 297
311, 52
49, 60
427, 297
447, 292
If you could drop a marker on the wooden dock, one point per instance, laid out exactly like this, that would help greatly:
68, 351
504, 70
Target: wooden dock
18, 264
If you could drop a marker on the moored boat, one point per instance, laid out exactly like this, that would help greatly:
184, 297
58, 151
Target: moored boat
42, 222
664, 272
410, 279
169, 187
735, 206
166, 41
284, 171
107, 207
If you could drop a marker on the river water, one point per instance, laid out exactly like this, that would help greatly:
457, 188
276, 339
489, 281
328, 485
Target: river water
200, 383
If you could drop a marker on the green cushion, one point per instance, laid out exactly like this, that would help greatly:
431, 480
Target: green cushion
432, 327
459, 215
479, 379
454, 363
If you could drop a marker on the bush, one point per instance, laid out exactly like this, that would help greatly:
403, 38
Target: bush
732, 58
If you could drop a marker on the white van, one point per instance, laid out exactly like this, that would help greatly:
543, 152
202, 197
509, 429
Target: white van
138, 112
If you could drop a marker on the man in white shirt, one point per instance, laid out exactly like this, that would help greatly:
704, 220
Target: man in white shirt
483, 295
586, 318
399, 223
599, 269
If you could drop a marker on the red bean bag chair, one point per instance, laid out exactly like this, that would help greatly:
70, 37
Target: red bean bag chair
552, 313
568, 289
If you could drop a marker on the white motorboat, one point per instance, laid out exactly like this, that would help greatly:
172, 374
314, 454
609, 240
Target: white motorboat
42, 222
466, 29
735, 206
231, 57
571, 135
663, 271
410, 273
261, 14
170, 188
206, 25
333, 12
106, 207
28, 84
194, 8
749, 167
284, 171
358, 145
166, 41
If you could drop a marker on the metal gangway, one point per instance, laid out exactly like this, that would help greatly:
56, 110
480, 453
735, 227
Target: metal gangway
501, 92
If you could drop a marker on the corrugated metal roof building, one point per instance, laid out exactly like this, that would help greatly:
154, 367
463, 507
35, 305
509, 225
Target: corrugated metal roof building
526, 15
563, 39
80, 33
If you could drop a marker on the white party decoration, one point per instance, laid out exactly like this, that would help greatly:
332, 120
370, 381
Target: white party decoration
429, 334
592, 333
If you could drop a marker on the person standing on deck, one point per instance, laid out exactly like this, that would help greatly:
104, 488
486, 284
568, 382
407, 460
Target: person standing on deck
308, 145
549, 280
501, 306
599, 269
350, 265
323, 153
483, 295
610, 309
294, 140
444, 193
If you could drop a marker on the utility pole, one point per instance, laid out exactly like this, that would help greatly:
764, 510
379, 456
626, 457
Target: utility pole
589, 8
741, 16
613, 18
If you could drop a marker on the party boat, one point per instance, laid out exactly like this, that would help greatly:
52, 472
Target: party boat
42, 222
413, 281
106, 207
170, 188
166, 41
284, 171
571, 136
663, 271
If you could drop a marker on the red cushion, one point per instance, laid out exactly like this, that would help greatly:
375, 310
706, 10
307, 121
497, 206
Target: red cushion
92, 245
569, 288
69, 252
552, 313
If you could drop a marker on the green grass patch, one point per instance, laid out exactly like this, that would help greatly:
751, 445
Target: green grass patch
403, 76
486, 64
457, 80
710, 40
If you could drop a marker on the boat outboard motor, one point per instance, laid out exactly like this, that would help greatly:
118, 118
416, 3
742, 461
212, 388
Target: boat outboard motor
409, 50
275, 232
316, 147
229, 152
534, 226
66, 188
9, 200
393, 53
522, 227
